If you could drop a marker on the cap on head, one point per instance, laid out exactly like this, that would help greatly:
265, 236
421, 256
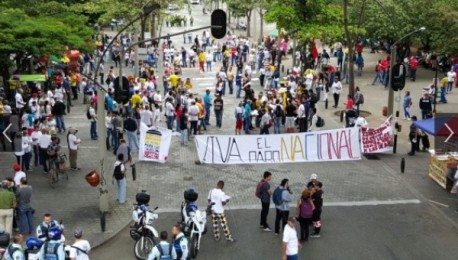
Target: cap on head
314, 176
16, 167
78, 233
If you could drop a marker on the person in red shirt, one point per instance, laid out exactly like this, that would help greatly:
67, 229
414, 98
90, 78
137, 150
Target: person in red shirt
413, 64
378, 73
349, 105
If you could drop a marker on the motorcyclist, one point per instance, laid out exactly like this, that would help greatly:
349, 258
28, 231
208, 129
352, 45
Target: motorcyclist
43, 228
180, 243
15, 251
53, 249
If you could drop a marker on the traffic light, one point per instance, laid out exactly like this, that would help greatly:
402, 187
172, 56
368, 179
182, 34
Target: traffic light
398, 77
218, 18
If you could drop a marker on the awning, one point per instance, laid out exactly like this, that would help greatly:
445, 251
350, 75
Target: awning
32, 77
439, 126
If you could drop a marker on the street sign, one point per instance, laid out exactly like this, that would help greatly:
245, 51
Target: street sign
4, 133
398, 77
218, 18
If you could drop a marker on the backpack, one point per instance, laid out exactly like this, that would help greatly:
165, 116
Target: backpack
319, 122
51, 252
277, 196
11, 250
306, 210
314, 98
278, 111
117, 174
88, 114
259, 188
361, 98
168, 255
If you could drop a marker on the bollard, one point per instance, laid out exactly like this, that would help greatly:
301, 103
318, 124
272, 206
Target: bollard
103, 221
282, 68
326, 104
403, 164
134, 172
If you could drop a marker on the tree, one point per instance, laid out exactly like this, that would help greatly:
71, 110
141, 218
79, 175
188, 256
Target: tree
22, 36
242, 8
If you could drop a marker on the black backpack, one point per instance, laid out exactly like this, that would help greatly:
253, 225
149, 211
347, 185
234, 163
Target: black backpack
117, 174
88, 114
278, 111
319, 122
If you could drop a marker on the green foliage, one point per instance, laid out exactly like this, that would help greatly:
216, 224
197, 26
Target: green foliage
240, 8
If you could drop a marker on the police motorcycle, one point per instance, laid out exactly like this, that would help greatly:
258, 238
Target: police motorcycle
193, 221
142, 231
34, 245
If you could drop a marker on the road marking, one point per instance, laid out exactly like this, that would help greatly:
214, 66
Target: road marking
438, 203
4, 132
326, 204
451, 132
206, 84
87, 147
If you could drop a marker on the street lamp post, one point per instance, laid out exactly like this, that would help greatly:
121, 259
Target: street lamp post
103, 202
391, 91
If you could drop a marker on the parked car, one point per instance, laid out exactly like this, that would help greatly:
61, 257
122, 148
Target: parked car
173, 7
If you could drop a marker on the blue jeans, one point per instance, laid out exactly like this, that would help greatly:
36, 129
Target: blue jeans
378, 76
36, 155
121, 191
449, 86
177, 127
93, 130
425, 113
209, 65
292, 257
132, 139
184, 137
219, 118
60, 123
170, 122
277, 125
25, 219
207, 115
406, 112
239, 89
443, 98
246, 125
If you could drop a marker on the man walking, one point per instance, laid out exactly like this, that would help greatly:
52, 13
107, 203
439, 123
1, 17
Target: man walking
219, 199
281, 198
130, 125
218, 106
7, 205
93, 118
73, 143
81, 248
58, 110
451, 76
291, 245
208, 104
263, 192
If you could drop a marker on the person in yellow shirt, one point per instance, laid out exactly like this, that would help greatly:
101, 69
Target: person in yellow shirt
173, 79
201, 115
201, 60
74, 85
136, 99
444, 82
188, 84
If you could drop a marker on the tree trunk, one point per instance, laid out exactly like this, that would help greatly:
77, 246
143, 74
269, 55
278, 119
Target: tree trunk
153, 25
142, 28
261, 17
4, 70
351, 51
248, 23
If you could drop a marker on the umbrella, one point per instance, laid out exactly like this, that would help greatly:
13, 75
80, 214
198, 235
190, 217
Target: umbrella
274, 33
439, 126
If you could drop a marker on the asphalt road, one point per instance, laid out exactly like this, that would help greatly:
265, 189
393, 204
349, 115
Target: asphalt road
411, 231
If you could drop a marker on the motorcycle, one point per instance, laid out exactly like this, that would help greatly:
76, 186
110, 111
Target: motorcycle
143, 232
193, 221
242, 26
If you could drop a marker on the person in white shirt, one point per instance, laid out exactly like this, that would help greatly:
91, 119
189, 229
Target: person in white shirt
169, 113
164, 248
44, 141
156, 116
18, 175
36, 134
291, 245
147, 116
193, 117
313, 126
73, 143
218, 198
209, 60
81, 248
336, 89
451, 77
19, 100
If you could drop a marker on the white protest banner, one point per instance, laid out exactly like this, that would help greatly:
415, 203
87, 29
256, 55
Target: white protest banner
377, 140
330, 145
154, 144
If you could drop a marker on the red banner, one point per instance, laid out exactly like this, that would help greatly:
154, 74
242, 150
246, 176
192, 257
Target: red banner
377, 140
